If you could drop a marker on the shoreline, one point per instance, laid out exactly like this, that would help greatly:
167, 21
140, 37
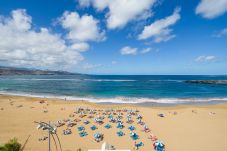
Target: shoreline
18, 114
159, 102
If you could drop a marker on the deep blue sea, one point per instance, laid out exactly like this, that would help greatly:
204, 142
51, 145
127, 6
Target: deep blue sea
116, 89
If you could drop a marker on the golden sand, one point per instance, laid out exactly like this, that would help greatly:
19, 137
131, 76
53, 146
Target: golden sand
184, 128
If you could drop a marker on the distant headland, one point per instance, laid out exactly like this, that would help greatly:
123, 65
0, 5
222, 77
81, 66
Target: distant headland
25, 71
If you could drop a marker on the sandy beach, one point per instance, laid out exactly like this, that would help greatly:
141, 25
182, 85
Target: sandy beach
184, 128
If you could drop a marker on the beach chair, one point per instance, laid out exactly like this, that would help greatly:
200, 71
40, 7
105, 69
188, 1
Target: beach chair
118, 120
120, 133
161, 115
146, 129
99, 121
67, 132
129, 120
90, 116
86, 122
59, 123
134, 136
77, 120
81, 128
71, 124
108, 126
139, 117
112, 120
152, 137
131, 128
140, 122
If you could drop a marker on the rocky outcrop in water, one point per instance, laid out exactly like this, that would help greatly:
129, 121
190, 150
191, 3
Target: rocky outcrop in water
207, 81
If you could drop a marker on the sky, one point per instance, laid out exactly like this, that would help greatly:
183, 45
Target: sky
139, 37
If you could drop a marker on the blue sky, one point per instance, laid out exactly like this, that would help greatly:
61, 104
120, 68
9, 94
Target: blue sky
95, 36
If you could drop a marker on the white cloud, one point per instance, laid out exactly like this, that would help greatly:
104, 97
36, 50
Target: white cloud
120, 12
146, 50
114, 62
84, 3
81, 29
205, 58
21, 45
82, 46
88, 66
211, 8
159, 30
128, 50
222, 33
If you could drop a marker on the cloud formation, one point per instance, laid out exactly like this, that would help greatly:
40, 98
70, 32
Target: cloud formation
21, 45
128, 50
160, 30
221, 33
81, 28
146, 50
88, 66
211, 8
120, 12
205, 58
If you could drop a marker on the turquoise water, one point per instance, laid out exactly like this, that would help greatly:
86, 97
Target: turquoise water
116, 89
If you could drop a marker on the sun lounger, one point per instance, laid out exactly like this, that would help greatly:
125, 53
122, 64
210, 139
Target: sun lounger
90, 116
112, 120
71, 124
152, 137
86, 122
59, 123
139, 117
77, 120
129, 120
67, 131
43, 138
146, 129
161, 115
98, 121
140, 122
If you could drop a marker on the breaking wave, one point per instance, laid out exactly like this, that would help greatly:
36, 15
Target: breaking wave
121, 100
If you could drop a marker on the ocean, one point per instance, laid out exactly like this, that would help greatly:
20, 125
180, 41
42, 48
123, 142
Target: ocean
166, 89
